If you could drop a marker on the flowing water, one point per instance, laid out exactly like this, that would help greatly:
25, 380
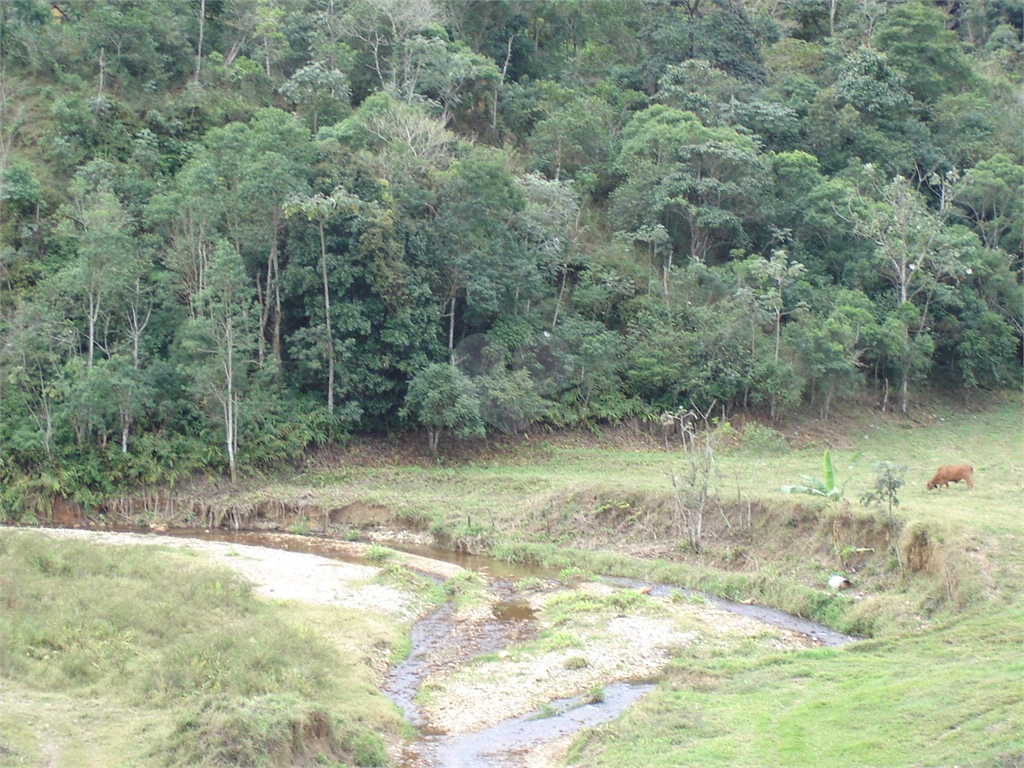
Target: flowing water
499, 745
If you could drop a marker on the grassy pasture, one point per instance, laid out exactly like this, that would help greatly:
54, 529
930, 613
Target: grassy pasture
147, 657
534, 470
582, 495
951, 695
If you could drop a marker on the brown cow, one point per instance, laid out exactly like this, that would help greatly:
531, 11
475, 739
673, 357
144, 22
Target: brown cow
952, 474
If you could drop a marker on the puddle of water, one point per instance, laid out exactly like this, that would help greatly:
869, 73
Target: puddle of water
516, 609
495, 569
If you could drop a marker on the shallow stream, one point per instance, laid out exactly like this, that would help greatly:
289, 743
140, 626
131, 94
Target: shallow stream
438, 642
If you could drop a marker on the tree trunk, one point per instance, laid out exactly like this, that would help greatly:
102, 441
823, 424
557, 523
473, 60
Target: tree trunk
275, 333
664, 280
451, 333
44, 404
103, 69
327, 321
230, 410
561, 292
504, 71
230, 416
93, 312
202, 24
263, 297
778, 333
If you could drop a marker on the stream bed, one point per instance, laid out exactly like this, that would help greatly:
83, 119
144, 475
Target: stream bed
442, 643
506, 743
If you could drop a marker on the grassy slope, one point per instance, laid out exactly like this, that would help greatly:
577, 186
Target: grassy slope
951, 696
500, 493
950, 693
133, 656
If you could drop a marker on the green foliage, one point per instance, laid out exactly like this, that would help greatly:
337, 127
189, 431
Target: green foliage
698, 182
378, 554
608, 173
884, 494
917, 43
441, 397
889, 478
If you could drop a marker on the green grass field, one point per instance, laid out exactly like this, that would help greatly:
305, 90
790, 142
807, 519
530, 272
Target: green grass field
942, 683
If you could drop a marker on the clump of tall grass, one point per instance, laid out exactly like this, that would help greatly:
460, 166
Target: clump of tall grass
465, 589
152, 625
277, 729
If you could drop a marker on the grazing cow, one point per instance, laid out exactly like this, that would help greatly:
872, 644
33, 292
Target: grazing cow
952, 474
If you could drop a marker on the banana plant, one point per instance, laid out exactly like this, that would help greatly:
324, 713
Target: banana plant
824, 486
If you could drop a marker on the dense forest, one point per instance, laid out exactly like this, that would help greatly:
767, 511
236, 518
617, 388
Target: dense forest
231, 230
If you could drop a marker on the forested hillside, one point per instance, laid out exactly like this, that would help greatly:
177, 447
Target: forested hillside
234, 229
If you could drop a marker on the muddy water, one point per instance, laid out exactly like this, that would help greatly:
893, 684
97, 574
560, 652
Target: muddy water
486, 565
438, 643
